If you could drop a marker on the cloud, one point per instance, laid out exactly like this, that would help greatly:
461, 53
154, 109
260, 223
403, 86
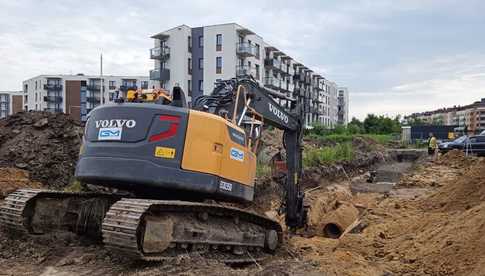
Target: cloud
394, 56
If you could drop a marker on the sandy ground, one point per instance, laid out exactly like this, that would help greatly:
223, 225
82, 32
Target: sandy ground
432, 223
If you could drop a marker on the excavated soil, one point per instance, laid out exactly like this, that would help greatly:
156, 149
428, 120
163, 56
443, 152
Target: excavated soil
43, 143
12, 179
432, 223
437, 231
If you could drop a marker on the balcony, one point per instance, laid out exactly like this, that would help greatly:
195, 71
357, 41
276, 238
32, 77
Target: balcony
272, 63
284, 87
245, 49
160, 53
299, 92
272, 82
94, 100
299, 76
243, 70
53, 99
53, 110
308, 79
53, 87
94, 87
126, 87
160, 74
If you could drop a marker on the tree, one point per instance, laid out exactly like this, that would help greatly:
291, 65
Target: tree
355, 126
381, 124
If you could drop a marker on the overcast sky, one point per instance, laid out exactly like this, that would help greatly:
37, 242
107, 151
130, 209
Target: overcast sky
396, 57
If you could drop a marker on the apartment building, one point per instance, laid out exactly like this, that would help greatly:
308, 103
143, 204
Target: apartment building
343, 106
469, 118
77, 94
11, 102
195, 58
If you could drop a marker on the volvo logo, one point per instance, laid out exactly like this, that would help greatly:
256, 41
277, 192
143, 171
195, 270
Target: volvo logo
278, 113
116, 123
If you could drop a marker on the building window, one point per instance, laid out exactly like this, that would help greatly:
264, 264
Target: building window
218, 65
201, 85
144, 84
256, 66
112, 85
201, 41
257, 49
201, 63
189, 44
219, 42
189, 88
189, 66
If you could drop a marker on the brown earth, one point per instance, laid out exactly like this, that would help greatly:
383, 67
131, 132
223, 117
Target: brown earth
43, 143
431, 224
12, 179
437, 232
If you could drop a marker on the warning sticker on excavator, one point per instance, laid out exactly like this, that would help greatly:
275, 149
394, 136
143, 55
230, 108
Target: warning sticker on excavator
164, 152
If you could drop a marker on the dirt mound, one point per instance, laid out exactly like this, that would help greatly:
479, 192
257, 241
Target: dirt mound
462, 193
12, 179
45, 144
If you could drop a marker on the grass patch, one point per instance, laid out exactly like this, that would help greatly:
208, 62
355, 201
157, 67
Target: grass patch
327, 155
75, 186
382, 139
262, 169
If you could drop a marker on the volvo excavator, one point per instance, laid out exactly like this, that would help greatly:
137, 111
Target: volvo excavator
182, 168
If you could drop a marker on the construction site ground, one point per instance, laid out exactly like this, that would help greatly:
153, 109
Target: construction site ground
431, 223
398, 214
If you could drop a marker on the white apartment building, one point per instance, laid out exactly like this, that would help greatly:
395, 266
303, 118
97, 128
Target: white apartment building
77, 94
343, 106
195, 58
10, 102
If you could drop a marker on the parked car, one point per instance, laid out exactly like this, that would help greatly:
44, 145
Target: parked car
476, 145
458, 143
472, 145
482, 133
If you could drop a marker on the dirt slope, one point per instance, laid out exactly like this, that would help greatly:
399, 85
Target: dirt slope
45, 144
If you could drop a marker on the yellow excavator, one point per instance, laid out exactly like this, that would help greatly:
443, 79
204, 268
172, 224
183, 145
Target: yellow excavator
176, 167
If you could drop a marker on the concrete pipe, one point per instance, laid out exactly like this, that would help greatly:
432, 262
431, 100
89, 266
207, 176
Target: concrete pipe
334, 223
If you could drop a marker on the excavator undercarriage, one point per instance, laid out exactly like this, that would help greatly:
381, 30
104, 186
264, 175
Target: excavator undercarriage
145, 229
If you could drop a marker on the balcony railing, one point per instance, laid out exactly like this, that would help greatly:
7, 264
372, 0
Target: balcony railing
299, 76
53, 99
160, 53
94, 100
272, 63
94, 87
160, 74
243, 70
272, 82
308, 79
54, 110
245, 49
53, 87
127, 87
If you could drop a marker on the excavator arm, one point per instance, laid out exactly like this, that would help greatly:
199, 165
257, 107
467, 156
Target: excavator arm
245, 102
